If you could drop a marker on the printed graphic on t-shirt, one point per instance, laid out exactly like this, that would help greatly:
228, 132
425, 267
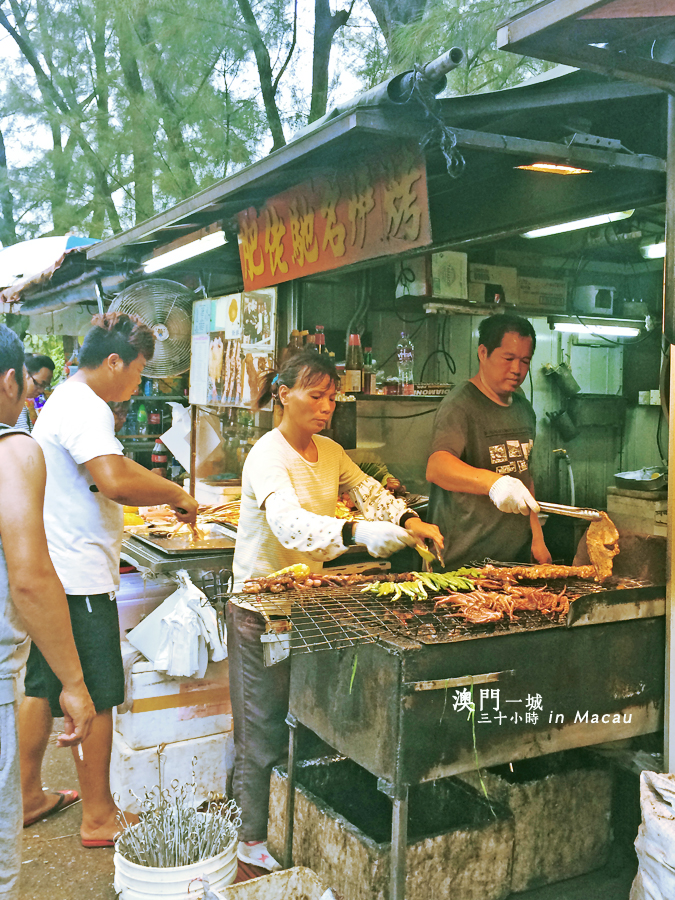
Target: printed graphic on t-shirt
498, 454
522, 465
514, 449
527, 448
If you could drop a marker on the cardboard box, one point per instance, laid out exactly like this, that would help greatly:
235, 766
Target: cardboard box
542, 293
165, 709
449, 275
441, 275
504, 275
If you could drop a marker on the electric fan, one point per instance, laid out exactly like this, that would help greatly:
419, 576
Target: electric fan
165, 307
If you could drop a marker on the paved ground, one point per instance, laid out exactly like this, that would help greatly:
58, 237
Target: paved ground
57, 867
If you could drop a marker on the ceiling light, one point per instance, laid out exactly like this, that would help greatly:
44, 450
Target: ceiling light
185, 251
554, 169
653, 251
604, 219
601, 330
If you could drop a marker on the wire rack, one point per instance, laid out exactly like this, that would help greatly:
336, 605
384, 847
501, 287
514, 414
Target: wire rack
333, 618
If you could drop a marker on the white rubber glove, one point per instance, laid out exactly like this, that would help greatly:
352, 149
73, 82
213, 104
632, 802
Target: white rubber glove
382, 538
510, 495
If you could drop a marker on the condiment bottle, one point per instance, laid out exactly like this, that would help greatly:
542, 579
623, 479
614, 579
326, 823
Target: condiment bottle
369, 386
320, 339
353, 365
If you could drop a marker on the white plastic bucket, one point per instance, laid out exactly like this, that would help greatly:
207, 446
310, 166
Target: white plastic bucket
134, 882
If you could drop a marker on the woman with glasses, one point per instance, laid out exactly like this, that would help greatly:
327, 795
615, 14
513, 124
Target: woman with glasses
40, 370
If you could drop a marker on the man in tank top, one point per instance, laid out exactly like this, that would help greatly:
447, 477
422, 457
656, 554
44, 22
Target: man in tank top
32, 600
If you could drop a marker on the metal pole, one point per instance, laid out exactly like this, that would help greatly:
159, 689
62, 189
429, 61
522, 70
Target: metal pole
399, 844
669, 331
193, 448
292, 723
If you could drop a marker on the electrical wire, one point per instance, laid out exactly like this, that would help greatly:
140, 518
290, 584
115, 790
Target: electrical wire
426, 412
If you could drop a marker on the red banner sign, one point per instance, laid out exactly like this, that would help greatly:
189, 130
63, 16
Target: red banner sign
380, 208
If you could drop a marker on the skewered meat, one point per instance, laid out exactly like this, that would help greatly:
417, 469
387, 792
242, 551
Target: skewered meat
510, 573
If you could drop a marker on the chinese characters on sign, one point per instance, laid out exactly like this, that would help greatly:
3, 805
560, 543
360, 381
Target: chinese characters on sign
489, 708
379, 209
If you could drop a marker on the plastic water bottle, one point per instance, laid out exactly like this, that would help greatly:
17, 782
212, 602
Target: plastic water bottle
405, 353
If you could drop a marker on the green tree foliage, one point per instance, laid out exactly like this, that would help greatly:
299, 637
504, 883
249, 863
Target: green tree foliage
138, 98
120, 108
470, 25
48, 345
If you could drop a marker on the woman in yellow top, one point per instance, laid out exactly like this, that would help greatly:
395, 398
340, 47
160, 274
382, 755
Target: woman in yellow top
291, 481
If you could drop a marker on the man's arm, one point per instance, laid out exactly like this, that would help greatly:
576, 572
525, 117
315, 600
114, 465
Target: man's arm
452, 474
36, 590
540, 552
126, 482
508, 494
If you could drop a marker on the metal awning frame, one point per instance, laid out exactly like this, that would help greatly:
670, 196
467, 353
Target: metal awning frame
292, 164
547, 32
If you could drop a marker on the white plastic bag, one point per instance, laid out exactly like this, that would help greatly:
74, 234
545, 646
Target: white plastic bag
183, 634
655, 843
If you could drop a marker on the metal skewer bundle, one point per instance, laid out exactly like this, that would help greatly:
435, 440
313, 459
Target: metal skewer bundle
172, 832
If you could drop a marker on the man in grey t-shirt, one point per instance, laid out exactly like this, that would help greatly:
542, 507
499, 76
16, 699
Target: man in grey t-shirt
481, 493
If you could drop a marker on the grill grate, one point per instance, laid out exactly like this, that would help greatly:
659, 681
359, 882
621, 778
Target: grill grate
333, 618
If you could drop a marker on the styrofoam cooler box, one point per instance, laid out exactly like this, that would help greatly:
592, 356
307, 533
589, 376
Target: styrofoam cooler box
166, 710
136, 771
138, 596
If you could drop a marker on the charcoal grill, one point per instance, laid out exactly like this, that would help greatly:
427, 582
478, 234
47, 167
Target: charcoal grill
394, 696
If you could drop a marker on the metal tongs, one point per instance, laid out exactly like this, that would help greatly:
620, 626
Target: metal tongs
429, 554
574, 512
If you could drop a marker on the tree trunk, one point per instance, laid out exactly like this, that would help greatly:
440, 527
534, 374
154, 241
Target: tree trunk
54, 100
171, 116
7, 224
391, 14
141, 135
325, 26
262, 58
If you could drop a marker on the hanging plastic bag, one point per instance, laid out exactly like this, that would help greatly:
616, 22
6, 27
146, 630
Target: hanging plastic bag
183, 634
655, 843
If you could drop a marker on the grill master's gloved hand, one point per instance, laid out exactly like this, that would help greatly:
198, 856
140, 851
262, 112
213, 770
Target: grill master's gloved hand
382, 538
510, 495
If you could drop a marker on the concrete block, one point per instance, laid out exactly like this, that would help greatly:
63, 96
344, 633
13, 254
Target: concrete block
458, 847
561, 804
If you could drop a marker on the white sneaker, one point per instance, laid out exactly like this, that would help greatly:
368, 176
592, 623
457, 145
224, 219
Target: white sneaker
256, 854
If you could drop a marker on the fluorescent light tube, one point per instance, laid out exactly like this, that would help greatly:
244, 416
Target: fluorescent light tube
554, 169
604, 219
185, 251
653, 251
602, 330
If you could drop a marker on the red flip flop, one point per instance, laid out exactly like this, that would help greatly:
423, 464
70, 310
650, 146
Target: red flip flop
66, 799
94, 844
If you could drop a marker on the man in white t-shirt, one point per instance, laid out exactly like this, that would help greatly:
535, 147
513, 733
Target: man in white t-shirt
88, 481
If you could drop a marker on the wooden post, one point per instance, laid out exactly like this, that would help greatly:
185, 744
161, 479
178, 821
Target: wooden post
669, 323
